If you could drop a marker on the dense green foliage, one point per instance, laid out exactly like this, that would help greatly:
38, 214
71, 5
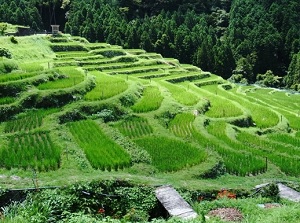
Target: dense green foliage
96, 201
243, 38
249, 37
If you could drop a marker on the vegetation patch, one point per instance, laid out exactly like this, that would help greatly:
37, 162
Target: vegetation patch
27, 121
135, 127
34, 150
238, 158
67, 77
150, 101
171, 155
106, 86
101, 151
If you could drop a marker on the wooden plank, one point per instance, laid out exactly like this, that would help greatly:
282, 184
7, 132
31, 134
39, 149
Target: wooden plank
174, 203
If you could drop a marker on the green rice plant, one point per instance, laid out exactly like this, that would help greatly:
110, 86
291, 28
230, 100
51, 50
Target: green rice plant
28, 121
186, 76
7, 100
150, 101
280, 101
220, 107
181, 94
31, 67
135, 127
17, 76
35, 150
285, 157
152, 74
138, 69
72, 55
238, 158
236, 162
106, 86
73, 77
286, 139
276, 98
101, 151
262, 116
69, 46
182, 125
169, 154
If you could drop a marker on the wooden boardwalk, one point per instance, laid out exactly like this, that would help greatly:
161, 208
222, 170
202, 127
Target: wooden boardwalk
174, 203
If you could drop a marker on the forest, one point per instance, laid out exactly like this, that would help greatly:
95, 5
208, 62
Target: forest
247, 41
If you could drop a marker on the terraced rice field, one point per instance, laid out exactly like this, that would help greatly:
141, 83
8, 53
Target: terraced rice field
102, 152
174, 113
171, 155
150, 101
106, 86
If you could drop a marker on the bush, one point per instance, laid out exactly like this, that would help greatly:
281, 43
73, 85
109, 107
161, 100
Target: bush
271, 191
5, 53
7, 65
13, 40
216, 171
128, 100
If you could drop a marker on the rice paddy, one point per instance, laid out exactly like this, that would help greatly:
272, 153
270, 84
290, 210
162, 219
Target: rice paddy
106, 86
101, 151
181, 116
150, 101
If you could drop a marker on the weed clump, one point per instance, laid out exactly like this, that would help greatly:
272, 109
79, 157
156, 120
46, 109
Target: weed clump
7, 65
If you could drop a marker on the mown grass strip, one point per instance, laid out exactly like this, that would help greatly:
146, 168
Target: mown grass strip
101, 151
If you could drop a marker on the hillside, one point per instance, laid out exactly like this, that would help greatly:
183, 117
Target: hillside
246, 39
73, 110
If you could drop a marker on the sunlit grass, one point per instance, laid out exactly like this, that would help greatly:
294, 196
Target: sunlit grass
181, 94
151, 100
171, 155
106, 86
72, 77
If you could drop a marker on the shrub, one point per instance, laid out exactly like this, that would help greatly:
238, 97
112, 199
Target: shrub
216, 171
5, 53
128, 100
271, 191
13, 40
7, 65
